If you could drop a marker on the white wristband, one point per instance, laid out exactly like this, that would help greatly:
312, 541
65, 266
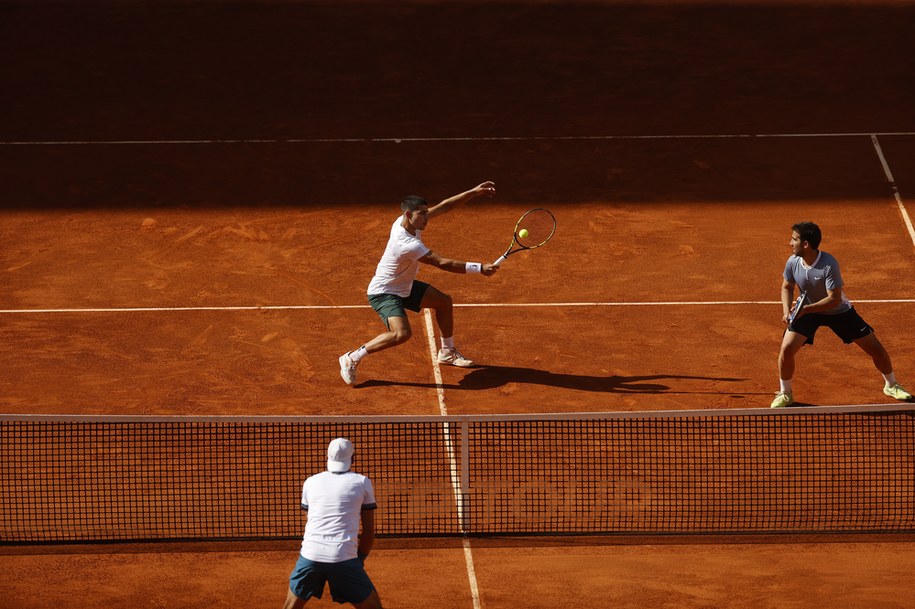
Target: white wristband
474, 267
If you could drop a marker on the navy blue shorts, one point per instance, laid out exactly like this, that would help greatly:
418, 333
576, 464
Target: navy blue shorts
848, 325
391, 305
349, 583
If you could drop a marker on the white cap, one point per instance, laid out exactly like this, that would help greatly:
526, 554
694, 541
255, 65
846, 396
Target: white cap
340, 455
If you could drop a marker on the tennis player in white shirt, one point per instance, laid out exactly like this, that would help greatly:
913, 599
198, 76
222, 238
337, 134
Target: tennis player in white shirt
394, 289
333, 553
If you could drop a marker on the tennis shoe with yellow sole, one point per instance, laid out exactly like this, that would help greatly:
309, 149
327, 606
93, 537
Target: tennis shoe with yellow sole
782, 399
454, 358
897, 392
348, 369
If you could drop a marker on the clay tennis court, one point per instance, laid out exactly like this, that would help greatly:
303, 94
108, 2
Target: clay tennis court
197, 194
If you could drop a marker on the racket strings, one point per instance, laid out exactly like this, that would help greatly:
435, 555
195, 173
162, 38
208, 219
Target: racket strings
539, 224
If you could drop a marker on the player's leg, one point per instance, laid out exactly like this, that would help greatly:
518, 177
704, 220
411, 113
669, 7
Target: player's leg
791, 344
399, 331
372, 602
293, 601
392, 310
851, 328
305, 581
348, 581
874, 348
443, 306
871, 345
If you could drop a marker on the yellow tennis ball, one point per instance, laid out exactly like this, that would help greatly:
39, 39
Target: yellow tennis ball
523, 233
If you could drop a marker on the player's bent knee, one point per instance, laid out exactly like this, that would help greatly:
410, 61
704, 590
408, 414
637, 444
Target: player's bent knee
402, 336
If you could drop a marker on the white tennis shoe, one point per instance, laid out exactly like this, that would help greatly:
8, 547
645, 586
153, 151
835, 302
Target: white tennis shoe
348, 369
454, 358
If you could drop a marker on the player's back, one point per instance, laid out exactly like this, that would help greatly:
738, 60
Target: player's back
334, 503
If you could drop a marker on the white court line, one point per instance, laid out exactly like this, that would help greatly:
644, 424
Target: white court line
437, 370
178, 309
672, 303
400, 140
889, 178
669, 303
472, 575
449, 446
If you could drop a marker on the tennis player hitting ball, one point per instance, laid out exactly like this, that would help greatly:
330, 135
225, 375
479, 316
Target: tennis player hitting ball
394, 288
817, 274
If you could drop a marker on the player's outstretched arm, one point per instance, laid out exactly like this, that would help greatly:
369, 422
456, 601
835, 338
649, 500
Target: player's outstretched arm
459, 266
486, 188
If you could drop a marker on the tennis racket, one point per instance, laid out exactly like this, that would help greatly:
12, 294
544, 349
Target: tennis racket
532, 230
798, 305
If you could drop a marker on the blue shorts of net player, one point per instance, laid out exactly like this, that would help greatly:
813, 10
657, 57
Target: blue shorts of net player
391, 305
349, 583
849, 326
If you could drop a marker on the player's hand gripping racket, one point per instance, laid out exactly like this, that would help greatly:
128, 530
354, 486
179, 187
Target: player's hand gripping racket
532, 230
798, 305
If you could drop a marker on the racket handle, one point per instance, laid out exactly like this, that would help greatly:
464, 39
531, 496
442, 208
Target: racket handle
499, 261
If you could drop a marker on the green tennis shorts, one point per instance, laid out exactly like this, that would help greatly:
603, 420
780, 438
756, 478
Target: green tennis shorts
391, 305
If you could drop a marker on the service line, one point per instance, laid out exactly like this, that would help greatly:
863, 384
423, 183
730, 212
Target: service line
509, 305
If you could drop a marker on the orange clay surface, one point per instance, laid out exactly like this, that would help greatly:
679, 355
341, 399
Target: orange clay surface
659, 306
130, 271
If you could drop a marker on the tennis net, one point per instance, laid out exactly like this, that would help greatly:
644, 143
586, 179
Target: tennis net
801, 470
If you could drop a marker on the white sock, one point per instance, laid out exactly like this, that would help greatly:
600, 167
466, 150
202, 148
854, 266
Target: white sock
890, 379
448, 343
784, 385
358, 354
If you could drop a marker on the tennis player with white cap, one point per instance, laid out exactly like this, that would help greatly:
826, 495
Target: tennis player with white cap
333, 552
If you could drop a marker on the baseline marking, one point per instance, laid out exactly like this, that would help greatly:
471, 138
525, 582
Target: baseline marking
400, 140
889, 178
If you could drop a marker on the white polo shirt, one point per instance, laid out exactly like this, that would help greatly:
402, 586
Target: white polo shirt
334, 503
400, 262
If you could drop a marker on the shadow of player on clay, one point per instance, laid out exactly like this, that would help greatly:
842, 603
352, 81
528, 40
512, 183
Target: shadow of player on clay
491, 377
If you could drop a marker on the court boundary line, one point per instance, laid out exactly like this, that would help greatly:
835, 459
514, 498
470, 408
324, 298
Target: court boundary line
230, 308
457, 481
892, 182
445, 139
